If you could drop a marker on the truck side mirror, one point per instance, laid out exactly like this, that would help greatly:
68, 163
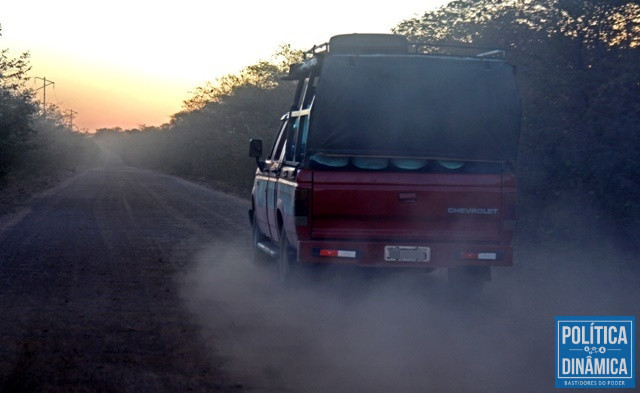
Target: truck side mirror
255, 150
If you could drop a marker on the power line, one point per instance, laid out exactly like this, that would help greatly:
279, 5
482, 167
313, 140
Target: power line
45, 83
59, 102
70, 113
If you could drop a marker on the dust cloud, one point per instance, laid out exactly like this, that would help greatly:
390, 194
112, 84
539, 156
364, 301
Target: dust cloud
343, 330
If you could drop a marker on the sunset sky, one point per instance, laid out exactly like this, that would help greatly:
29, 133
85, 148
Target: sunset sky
128, 63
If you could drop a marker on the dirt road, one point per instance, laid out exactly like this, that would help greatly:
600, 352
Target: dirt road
89, 286
124, 280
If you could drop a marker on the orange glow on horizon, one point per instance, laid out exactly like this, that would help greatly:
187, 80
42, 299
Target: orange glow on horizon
108, 97
132, 63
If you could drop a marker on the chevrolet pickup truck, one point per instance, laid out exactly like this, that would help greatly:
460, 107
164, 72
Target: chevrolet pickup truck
391, 158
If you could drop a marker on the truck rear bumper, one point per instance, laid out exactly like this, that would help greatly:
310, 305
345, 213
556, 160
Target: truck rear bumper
372, 254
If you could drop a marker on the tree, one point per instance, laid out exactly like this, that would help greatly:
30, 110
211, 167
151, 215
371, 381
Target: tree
262, 75
31, 143
17, 108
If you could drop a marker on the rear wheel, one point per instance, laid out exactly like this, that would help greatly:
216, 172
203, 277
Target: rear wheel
286, 259
468, 281
257, 257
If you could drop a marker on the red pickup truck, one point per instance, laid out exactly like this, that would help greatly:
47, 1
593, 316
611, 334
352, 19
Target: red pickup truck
391, 158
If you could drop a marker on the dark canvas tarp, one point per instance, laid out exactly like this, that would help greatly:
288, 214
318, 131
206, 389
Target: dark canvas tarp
416, 106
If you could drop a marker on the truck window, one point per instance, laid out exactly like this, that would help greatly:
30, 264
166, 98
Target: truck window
292, 135
276, 150
302, 140
296, 139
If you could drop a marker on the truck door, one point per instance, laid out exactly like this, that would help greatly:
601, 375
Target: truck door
273, 167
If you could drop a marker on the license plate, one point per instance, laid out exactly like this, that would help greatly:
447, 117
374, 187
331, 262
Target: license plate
407, 254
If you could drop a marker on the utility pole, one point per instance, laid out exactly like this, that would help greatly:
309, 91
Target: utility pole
70, 113
45, 83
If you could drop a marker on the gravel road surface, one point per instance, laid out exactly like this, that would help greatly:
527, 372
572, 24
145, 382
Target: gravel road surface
125, 280
89, 285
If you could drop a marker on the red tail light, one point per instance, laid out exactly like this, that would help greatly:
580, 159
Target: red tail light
483, 256
336, 253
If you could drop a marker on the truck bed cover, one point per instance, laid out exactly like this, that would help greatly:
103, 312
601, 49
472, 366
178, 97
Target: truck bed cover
416, 106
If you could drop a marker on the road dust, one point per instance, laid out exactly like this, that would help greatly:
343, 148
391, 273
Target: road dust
343, 330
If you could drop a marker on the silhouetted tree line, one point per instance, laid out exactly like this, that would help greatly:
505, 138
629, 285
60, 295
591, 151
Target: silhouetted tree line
33, 142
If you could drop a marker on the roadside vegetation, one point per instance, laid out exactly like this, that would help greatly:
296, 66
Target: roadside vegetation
37, 147
577, 68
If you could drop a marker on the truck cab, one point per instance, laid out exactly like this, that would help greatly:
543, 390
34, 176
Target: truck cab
391, 158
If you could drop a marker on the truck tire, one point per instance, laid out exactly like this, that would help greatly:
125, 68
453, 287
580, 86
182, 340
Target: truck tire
468, 281
257, 256
286, 260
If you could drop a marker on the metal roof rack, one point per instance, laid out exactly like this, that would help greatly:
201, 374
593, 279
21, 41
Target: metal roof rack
316, 49
360, 44
422, 48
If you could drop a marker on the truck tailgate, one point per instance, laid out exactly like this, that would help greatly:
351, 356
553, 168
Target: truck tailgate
407, 206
